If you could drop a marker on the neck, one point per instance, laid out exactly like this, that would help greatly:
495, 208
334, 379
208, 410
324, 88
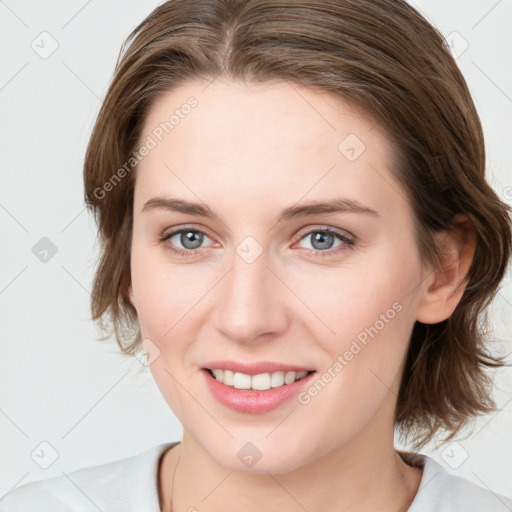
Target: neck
358, 477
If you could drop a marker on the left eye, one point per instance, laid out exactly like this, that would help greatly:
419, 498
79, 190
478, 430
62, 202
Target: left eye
322, 240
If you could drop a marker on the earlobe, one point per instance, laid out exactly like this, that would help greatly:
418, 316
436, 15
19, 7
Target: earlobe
443, 288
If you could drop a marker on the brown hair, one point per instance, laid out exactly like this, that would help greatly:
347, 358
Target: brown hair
383, 57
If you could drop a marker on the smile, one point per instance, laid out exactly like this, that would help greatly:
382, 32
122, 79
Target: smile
255, 388
259, 382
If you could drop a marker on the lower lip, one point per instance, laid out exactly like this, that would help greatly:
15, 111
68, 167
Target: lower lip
254, 402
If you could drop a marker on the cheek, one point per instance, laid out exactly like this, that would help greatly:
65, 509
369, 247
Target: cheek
369, 312
361, 372
163, 292
344, 302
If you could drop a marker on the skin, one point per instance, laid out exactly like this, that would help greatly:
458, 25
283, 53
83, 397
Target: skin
248, 152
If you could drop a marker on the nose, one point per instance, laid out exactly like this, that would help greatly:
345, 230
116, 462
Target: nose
251, 302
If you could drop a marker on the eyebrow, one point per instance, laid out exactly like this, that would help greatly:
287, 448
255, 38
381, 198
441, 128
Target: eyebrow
336, 205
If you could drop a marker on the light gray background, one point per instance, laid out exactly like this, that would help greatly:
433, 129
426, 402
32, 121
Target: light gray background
60, 386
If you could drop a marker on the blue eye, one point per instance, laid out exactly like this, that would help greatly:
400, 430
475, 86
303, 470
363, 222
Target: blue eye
322, 241
190, 239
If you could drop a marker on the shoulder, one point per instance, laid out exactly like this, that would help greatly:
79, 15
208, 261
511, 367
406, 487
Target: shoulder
112, 487
444, 492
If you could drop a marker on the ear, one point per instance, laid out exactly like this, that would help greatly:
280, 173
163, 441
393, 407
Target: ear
443, 288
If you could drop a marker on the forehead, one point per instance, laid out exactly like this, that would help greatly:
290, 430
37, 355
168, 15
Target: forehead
252, 119
245, 141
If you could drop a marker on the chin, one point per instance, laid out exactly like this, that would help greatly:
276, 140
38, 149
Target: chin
258, 454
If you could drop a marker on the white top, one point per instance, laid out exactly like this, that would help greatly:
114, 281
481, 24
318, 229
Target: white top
131, 485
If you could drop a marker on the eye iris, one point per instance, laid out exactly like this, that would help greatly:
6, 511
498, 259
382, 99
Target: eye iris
325, 240
194, 237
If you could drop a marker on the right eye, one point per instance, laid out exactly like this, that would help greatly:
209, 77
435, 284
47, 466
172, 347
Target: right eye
190, 240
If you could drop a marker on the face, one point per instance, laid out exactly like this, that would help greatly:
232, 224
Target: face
253, 282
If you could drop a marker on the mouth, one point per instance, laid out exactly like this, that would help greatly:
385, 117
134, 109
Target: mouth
255, 388
257, 382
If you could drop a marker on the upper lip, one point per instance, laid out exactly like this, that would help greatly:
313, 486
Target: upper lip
255, 368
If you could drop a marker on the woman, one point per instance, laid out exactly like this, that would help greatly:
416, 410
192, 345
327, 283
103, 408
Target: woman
298, 235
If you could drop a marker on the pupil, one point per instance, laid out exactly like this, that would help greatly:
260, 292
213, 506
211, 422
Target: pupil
187, 239
325, 240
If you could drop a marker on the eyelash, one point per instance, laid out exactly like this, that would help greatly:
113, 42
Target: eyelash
346, 245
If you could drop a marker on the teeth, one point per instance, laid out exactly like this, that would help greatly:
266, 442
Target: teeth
289, 377
241, 381
218, 374
260, 382
227, 378
276, 379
